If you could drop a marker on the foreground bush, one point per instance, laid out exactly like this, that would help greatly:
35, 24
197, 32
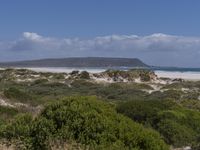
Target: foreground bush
92, 124
178, 125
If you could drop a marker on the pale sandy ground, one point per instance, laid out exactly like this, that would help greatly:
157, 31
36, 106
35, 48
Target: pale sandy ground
66, 70
182, 75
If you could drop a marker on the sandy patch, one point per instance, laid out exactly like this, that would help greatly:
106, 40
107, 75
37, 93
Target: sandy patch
175, 75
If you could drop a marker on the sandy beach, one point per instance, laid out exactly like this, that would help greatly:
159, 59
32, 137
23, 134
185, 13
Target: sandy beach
66, 70
176, 74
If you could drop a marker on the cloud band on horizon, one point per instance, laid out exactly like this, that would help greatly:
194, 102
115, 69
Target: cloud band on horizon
156, 49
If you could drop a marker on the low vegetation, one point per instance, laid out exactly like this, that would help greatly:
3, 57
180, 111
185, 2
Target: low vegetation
178, 125
110, 110
92, 123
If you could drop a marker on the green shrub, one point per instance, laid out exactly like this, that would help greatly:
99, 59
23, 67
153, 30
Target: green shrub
88, 121
75, 72
176, 134
143, 111
41, 133
84, 75
7, 113
95, 123
59, 76
179, 126
16, 94
40, 81
18, 131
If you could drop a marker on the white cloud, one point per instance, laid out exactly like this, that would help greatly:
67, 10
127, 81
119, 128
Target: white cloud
32, 36
155, 49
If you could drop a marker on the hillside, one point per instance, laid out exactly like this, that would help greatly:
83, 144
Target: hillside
78, 62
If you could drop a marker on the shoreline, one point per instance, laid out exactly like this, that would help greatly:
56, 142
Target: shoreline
185, 75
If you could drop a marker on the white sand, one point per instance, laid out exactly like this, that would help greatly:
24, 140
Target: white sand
66, 70
182, 75
4, 103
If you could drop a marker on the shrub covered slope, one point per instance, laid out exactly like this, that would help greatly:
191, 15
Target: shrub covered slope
164, 109
92, 123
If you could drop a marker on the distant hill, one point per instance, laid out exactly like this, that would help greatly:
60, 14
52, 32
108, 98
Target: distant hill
78, 62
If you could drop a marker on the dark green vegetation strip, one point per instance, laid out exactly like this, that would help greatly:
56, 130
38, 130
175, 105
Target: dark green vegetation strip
91, 123
178, 125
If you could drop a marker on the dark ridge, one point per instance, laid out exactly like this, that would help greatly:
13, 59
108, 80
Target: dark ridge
78, 62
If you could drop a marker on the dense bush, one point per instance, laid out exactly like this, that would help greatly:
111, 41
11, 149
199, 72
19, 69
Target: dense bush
22, 95
176, 133
75, 72
84, 75
144, 111
40, 81
16, 94
58, 76
92, 123
179, 126
18, 132
143, 74
7, 113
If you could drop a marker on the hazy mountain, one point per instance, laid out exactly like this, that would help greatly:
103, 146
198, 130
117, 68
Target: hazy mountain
78, 62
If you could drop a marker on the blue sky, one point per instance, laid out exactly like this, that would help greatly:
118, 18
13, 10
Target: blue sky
31, 29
